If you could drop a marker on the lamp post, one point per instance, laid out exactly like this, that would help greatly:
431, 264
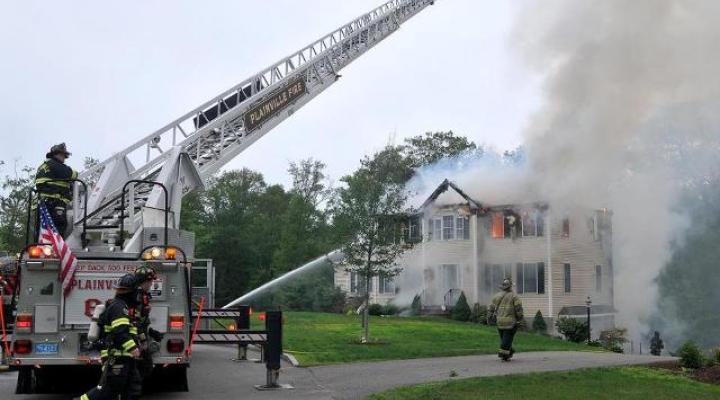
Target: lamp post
588, 304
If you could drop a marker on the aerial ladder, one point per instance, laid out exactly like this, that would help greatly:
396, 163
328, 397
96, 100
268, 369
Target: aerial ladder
125, 199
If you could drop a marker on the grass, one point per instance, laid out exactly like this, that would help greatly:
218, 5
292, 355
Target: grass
603, 383
319, 338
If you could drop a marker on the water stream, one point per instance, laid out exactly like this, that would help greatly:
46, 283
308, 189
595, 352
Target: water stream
334, 256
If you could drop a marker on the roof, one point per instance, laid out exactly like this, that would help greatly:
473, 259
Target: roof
444, 186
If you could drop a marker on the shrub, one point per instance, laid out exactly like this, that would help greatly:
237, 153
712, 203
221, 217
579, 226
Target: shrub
716, 355
461, 311
690, 355
416, 306
572, 329
539, 325
613, 339
375, 309
391, 309
478, 314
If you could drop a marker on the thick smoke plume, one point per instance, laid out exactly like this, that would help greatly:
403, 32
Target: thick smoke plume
628, 121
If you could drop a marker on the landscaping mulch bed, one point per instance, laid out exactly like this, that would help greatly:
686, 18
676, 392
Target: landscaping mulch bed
706, 375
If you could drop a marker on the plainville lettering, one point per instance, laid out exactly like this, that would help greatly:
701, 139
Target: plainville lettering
93, 284
257, 115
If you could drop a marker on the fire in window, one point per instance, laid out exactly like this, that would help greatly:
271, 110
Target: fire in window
498, 223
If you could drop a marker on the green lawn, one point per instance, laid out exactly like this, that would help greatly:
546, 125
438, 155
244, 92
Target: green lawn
603, 383
318, 338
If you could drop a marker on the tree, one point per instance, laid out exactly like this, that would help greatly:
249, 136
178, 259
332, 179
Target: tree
433, 146
13, 208
461, 311
539, 325
369, 212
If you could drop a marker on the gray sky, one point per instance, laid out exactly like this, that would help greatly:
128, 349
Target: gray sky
100, 75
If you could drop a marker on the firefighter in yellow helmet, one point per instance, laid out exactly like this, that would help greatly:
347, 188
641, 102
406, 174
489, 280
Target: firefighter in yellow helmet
53, 187
506, 312
120, 352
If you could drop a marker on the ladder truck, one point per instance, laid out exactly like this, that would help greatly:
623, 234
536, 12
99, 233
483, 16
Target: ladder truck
126, 209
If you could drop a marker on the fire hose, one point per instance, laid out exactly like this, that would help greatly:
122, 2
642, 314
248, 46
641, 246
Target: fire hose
195, 326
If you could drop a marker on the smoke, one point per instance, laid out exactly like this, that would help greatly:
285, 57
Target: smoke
628, 120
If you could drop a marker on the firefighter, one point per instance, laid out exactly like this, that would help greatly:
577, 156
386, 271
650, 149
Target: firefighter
506, 309
51, 188
144, 278
656, 344
120, 351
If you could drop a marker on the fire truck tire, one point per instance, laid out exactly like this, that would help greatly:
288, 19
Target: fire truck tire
26, 381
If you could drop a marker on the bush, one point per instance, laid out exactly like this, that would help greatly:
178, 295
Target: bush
613, 339
716, 355
376, 309
572, 329
690, 356
539, 325
391, 309
461, 311
478, 314
416, 306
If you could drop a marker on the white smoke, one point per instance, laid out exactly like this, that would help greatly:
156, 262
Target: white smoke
615, 75
629, 120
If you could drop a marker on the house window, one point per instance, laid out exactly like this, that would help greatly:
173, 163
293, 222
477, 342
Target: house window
449, 276
568, 283
436, 229
566, 227
598, 278
386, 285
462, 228
357, 283
495, 274
415, 230
448, 228
530, 278
511, 224
532, 224
498, 223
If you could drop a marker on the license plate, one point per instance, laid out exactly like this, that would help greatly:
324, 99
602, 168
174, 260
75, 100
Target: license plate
46, 348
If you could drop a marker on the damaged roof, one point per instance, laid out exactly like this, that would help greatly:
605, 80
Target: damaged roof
444, 186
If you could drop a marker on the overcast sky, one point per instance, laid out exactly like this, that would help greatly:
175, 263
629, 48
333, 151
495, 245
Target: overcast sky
100, 75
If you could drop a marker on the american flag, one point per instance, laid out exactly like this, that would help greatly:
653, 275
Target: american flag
49, 235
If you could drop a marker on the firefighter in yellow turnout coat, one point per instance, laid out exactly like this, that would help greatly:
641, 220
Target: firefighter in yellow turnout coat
120, 375
507, 312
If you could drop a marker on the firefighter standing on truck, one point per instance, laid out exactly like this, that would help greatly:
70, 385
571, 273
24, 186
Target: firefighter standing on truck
53, 185
120, 350
144, 278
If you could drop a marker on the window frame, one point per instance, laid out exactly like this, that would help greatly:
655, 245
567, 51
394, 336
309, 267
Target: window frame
448, 229
538, 270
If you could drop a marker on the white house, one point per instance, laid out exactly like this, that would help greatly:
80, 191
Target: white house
556, 259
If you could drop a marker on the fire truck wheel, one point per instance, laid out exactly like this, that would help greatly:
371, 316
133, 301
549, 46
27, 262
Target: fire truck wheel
26, 381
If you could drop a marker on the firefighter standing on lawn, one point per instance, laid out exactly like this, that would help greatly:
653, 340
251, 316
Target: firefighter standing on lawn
144, 278
120, 352
506, 309
53, 185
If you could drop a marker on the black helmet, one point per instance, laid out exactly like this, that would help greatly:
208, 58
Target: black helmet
506, 284
58, 149
144, 274
126, 282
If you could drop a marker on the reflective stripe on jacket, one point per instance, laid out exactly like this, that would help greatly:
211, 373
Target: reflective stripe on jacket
120, 333
47, 184
507, 307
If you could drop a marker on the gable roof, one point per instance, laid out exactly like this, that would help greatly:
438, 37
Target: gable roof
444, 186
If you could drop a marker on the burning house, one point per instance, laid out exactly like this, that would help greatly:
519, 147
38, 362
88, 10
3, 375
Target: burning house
556, 259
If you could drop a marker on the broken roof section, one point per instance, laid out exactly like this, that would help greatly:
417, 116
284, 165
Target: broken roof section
444, 186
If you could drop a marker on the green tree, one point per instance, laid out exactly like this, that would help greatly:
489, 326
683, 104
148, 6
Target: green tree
16, 187
433, 146
539, 325
369, 212
461, 311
